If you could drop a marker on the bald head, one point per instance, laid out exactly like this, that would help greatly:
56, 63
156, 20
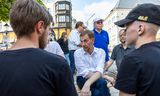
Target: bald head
139, 32
150, 28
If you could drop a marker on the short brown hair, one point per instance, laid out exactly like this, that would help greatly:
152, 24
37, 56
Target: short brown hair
80, 23
87, 32
24, 15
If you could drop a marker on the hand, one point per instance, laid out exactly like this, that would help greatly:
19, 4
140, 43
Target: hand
110, 79
89, 75
85, 90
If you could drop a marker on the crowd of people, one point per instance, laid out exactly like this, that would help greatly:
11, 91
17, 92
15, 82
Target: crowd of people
39, 65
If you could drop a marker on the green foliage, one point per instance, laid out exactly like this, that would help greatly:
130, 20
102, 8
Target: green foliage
5, 6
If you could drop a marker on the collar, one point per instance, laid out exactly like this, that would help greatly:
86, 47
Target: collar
128, 47
77, 31
97, 31
94, 51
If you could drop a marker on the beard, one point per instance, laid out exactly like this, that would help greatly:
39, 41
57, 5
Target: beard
42, 41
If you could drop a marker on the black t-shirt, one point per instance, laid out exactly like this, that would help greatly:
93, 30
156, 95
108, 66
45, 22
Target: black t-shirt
139, 72
34, 72
119, 52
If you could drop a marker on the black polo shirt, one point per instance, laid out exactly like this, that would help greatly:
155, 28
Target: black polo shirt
139, 72
119, 52
34, 72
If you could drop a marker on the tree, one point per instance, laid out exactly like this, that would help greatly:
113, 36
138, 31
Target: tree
5, 6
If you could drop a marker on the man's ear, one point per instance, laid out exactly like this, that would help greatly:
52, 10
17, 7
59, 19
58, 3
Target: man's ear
40, 27
92, 40
141, 29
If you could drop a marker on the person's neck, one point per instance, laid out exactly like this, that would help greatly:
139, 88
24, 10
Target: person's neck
78, 30
145, 40
98, 30
124, 45
91, 50
25, 42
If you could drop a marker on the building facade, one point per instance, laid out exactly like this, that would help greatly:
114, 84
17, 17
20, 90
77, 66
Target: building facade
7, 36
61, 11
120, 11
63, 22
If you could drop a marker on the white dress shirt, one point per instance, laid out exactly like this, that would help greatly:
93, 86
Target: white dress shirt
86, 62
74, 40
55, 48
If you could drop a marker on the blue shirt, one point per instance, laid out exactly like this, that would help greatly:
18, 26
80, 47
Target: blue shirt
102, 41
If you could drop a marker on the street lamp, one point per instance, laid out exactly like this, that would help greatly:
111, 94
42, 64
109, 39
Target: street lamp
5, 37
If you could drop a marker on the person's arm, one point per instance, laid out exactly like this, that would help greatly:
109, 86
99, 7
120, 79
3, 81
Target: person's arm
109, 64
95, 75
113, 57
125, 94
80, 64
86, 88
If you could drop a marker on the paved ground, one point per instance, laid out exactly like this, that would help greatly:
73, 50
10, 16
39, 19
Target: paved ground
114, 92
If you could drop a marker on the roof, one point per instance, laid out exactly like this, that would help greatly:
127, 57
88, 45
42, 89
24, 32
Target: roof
127, 4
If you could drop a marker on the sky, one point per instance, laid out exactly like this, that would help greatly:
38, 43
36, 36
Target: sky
82, 10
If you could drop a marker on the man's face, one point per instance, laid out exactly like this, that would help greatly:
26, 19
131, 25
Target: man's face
98, 24
122, 36
87, 43
43, 39
132, 33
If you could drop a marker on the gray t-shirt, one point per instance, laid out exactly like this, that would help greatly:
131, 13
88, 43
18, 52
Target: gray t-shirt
119, 52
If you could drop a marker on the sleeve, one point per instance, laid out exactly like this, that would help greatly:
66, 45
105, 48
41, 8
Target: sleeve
101, 61
66, 82
128, 75
113, 55
73, 38
80, 65
107, 38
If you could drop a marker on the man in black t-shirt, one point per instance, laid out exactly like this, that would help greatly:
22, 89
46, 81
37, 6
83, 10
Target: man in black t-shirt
26, 69
120, 50
139, 72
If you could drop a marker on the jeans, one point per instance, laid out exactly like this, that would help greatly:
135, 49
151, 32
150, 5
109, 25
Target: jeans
72, 62
67, 58
98, 88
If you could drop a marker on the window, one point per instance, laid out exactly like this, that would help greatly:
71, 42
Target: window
49, 1
62, 18
61, 6
67, 19
67, 7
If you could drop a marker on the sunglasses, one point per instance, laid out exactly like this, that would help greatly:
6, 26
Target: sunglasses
99, 22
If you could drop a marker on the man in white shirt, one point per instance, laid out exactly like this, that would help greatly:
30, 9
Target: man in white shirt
74, 42
90, 62
54, 48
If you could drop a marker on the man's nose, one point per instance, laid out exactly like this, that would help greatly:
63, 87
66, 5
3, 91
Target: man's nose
83, 43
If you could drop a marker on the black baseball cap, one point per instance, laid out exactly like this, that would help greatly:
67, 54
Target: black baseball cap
145, 12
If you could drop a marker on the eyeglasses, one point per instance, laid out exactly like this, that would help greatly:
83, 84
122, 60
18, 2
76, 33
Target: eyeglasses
99, 22
83, 27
